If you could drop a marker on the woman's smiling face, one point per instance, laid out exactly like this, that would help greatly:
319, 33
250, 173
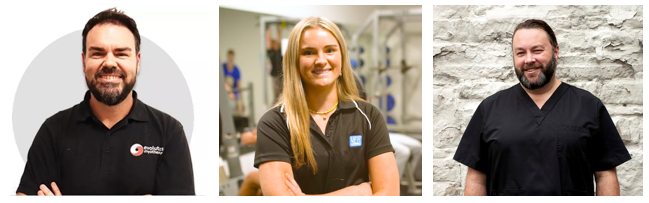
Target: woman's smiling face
320, 58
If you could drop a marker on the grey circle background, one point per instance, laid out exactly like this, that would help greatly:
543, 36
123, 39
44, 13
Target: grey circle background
55, 81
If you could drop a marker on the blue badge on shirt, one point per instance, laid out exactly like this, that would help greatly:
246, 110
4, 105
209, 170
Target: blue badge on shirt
355, 140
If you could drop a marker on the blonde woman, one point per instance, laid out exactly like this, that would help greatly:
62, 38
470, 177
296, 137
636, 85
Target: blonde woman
321, 138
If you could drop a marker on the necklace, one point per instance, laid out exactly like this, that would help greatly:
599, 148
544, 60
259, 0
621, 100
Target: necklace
324, 114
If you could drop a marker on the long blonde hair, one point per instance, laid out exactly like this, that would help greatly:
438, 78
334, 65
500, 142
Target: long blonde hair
293, 96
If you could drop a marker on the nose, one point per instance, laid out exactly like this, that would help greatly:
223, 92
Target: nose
529, 59
109, 61
320, 60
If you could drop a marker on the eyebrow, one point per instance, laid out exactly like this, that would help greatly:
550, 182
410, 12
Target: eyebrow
123, 49
116, 49
95, 49
326, 46
533, 47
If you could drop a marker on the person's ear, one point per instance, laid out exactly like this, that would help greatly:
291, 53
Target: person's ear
137, 68
556, 53
83, 62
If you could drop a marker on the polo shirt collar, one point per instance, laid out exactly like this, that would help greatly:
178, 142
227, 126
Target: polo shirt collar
137, 112
346, 104
341, 105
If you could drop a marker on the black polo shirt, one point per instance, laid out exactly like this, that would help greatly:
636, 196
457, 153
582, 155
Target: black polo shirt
355, 133
554, 150
144, 153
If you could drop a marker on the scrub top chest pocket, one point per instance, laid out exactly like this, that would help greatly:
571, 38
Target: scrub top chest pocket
572, 141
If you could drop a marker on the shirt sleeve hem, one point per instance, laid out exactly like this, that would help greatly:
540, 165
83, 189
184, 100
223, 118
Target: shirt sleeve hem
263, 159
468, 163
608, 166
380, 150
26, 189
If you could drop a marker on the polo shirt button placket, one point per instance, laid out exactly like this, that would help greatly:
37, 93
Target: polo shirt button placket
330, 124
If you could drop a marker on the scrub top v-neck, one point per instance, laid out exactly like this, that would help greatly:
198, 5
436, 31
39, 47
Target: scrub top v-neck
554, 150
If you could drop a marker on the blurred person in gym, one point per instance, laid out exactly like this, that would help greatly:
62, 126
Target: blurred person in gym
274, 53
232, 76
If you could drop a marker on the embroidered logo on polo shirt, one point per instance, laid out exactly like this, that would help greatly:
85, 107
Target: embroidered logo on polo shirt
355, 140
138, 150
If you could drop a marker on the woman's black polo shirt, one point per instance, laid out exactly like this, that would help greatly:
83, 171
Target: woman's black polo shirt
355, 133
144, 153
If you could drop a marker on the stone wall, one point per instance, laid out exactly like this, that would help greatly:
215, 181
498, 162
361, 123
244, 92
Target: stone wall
600, 50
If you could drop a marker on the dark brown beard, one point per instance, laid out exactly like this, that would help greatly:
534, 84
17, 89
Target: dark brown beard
109, 97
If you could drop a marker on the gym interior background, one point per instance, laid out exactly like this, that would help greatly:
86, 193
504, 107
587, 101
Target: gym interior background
600, 50
392, 85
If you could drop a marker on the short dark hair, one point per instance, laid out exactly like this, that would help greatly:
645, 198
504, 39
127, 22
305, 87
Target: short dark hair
539, 24
230, 51
114, 16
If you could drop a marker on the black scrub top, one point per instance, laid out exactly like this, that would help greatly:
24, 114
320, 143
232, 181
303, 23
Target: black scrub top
554, 150
355, 133
144, 153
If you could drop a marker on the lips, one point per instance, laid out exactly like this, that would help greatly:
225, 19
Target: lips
531, 70
321, 71
109, 78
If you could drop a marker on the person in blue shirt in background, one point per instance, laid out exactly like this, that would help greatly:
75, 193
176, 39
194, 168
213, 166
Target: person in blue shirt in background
232, 83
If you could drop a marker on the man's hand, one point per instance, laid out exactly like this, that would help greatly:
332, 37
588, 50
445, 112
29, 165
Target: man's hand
293, 187
44, 191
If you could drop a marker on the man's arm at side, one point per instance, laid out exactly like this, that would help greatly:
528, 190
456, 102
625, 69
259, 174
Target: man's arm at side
476, 183
607, 184
279, 35
175, 175
268, 39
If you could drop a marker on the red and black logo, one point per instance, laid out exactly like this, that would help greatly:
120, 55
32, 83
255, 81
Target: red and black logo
137, 149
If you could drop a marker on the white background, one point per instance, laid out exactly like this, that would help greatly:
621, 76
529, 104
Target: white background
189, 34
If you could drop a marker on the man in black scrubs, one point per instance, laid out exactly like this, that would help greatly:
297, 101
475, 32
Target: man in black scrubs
542, 136
111, 142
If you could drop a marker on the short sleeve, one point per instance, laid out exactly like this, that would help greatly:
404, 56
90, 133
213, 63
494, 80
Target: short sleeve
175, 175
378, 141
608, 149
236, 74
224, 68
42, 163
273, 139
472, 150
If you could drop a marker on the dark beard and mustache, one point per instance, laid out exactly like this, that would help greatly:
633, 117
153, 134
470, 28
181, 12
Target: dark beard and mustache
108, 93
545, 75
